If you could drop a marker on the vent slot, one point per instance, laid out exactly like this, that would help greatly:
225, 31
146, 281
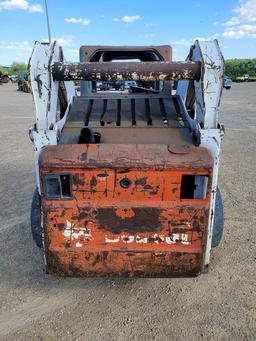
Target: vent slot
58, 186
52, 187
133, 112
193, 186
65, 185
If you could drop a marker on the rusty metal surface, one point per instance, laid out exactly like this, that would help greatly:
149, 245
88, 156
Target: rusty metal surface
105, 109
154, 156
107, 230
88, 52
125, 264
112, 71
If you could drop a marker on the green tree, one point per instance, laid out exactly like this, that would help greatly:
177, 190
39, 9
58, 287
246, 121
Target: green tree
14, 69
4, 69
17, 68
240, 67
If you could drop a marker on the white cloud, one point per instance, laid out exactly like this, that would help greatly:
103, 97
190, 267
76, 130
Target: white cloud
248, 28
35, 8
246, 13
246, 10
233, 21
20, 5
80, 21
240, 31
63, 40
128, 18
241, 25
234, 34
14, 45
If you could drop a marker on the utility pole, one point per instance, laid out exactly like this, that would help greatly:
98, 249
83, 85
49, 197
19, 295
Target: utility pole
48, 21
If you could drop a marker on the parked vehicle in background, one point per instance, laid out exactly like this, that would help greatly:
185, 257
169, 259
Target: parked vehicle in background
227, 84
24, 82
239, 79
14, 78
4, 78
119, 85
246, 78
104, 86
129, 84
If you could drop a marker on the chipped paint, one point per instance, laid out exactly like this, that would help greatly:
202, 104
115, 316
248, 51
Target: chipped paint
182, 238
105, 226
112, 71
73, 231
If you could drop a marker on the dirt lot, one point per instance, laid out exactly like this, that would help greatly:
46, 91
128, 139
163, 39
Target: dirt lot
219, 305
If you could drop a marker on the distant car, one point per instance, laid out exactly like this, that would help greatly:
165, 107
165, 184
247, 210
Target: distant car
227, 83
129, 84
119, 85
104, 86
5, 78
239, 79
24, 82
122, 85
14, 79
246, 78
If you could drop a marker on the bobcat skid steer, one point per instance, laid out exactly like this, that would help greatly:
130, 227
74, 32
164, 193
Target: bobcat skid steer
127, 180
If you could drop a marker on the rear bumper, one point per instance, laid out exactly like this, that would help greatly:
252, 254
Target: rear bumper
124, 264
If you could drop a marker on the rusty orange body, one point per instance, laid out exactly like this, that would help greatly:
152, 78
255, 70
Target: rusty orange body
144, 230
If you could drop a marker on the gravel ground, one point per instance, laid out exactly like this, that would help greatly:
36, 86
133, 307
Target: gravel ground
219, 305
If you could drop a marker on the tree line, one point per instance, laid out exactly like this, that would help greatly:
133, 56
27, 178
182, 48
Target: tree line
239, 67
14, 69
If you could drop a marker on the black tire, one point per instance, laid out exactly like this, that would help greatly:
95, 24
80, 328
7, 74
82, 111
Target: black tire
218, 224
36, 219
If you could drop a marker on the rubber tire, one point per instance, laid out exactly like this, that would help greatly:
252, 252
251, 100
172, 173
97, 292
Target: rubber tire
35, 219
218, 224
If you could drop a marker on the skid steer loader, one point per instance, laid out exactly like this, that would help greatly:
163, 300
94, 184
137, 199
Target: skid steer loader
127, 180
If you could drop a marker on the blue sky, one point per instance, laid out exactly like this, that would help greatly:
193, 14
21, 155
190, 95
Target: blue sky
132, 22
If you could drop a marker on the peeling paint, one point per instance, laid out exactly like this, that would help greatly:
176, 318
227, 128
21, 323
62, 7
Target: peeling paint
73, 231
112, 71
182, 238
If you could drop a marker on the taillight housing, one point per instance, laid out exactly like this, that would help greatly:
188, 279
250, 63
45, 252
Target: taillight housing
58, 186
